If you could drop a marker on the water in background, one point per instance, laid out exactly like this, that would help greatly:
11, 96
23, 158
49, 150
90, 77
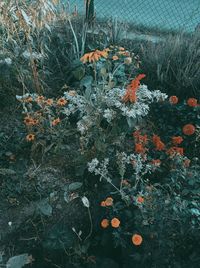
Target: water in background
164, 14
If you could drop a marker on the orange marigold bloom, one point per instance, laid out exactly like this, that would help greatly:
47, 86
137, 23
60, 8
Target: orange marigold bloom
189, 129
177, 140
139, 148
132, 88
115, 222
30, 137
173, 99
137, 239
61, 101
140, 199
94, 56
192, 102
55, 122
104, 223
103, 204
115, 57
109, 201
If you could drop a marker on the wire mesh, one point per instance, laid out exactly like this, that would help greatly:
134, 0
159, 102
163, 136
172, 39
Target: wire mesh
160, 14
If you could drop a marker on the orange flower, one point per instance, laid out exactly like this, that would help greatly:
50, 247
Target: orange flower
130, 94
115, 222
30, 137
115, 57
29, 99
177, 140
104, 223
28, 121
40, 99
192, 102
139, 148
49, 102
156, 162
55, 122
189, 129
173, 99
35, 121
61, 101
103, 204
158, 143
94, 56
109, 201
137, 239
136, 134
175, 150
140, 199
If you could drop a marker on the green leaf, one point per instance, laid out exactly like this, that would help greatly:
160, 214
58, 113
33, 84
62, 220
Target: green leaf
75, 186
6, 171
18, 261
44, 207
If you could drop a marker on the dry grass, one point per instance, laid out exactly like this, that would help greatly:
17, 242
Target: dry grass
173, 65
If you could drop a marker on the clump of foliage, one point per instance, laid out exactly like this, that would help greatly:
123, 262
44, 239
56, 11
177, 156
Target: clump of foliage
108, 165
146, 176
173, 64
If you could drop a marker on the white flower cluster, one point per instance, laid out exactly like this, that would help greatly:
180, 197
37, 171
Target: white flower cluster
84, 124
140, 108
93, 165
26, 96
7, 61
109, 115
99, 168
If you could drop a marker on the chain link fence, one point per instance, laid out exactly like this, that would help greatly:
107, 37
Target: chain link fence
168, 15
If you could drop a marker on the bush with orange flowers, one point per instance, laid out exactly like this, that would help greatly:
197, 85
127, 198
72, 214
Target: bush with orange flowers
130, 151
